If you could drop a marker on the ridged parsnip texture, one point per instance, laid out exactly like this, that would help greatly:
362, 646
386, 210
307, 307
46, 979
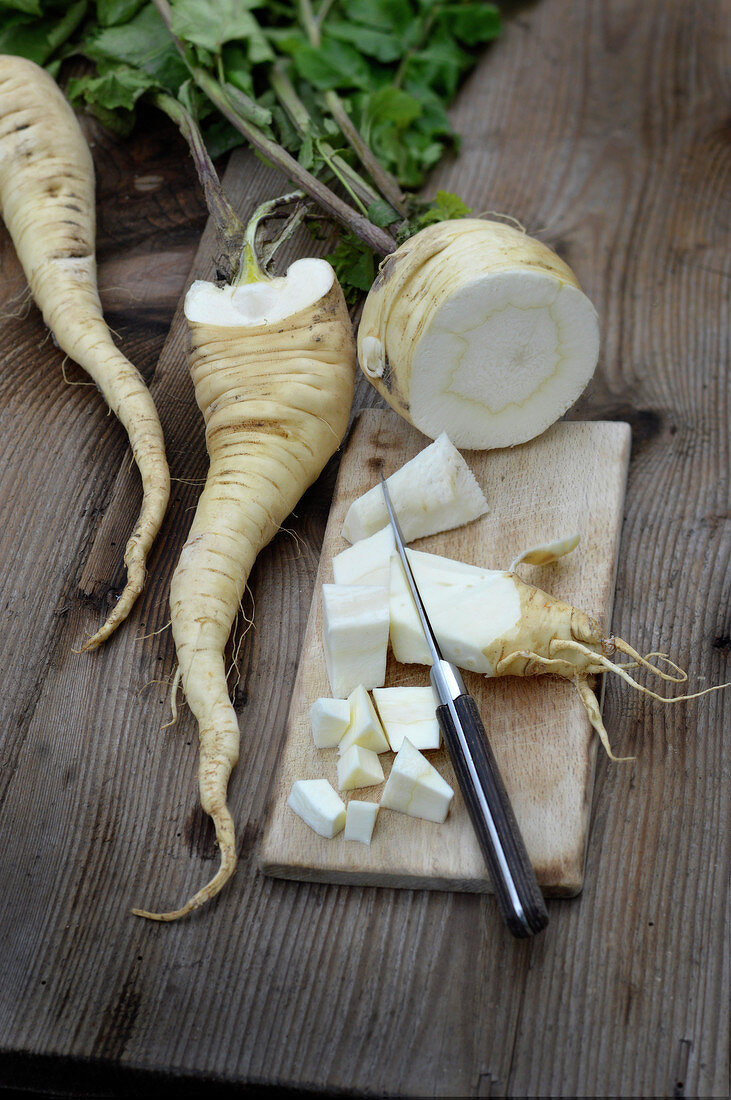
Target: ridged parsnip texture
47, 204
276, 400
475, 329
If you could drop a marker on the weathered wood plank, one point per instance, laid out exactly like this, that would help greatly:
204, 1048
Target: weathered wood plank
600, 124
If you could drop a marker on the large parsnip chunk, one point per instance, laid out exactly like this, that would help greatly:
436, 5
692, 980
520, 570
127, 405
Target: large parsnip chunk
408, 712
355, 635
319, 806
415, 787
469, 608
433, 492
365, 728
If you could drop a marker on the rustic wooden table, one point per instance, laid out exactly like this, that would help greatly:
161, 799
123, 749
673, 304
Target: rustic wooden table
600, 126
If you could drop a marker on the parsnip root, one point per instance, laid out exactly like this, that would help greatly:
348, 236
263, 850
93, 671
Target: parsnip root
47, 204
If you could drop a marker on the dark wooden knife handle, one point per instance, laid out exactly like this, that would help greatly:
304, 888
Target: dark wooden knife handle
489, 780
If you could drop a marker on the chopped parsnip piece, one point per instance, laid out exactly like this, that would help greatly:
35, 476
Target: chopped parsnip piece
360, 817
415, 787
359, 767
365, 728
355, 635
408, 712
319, 806
329, 719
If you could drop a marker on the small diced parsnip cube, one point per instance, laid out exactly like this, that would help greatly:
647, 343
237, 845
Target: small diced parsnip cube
359, 767
415, 787
408, 712
319, 806
364, 728
355, 635
329, 719
367, 561
360, 817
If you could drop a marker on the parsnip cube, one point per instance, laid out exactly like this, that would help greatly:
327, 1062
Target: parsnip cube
367, 561
360, 817
359, 767
415, 787
365, 729
408, 712
329, 719
355, 635
319, 806
434, 491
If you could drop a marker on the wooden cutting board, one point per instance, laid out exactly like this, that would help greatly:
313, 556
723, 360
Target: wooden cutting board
570, 479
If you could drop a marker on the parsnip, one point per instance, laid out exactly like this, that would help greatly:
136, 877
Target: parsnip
47, 204
493, 622
475, 329
275, 390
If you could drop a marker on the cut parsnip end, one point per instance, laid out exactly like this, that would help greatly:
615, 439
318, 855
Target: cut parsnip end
546, 553
434, 491
485, 331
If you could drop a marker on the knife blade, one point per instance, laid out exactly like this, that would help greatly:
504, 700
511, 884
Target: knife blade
513, 879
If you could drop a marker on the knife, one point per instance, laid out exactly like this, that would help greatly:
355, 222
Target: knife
513, 879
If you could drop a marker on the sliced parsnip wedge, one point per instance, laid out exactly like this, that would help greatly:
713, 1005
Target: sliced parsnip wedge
415, 787
434, 491
365, 728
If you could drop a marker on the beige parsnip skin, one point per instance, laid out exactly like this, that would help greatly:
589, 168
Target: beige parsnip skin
276, 401
47, 204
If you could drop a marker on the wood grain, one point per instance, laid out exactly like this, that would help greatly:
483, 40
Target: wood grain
601, 124
570, 480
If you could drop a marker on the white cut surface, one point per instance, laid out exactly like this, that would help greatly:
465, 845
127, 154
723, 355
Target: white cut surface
355, 635
329, 719
408, 712
415, 787
263, 302
434, 491
468, 608
319, 806
359, 767
367, 561
503, 358
365, 728
360, 818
